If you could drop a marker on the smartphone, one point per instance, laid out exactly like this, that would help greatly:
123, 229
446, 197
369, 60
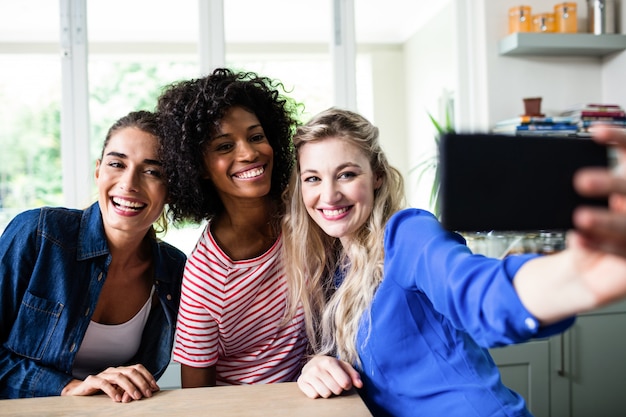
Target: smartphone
513, 183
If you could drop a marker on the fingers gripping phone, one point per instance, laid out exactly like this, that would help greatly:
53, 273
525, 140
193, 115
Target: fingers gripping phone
517, 183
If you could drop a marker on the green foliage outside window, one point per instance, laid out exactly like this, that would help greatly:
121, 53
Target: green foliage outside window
30, 136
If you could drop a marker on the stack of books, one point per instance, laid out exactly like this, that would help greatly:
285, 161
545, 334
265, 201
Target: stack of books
588, 115
537, 126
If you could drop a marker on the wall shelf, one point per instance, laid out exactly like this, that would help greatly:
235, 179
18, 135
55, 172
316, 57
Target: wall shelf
561, 44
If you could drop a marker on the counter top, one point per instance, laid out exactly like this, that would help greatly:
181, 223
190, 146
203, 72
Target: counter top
284, 399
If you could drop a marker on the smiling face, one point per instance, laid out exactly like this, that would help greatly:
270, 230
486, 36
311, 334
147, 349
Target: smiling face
337, 186
131, 188
239, 158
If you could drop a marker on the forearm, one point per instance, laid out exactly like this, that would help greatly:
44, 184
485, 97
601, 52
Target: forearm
197, 377
548, 288
22, 377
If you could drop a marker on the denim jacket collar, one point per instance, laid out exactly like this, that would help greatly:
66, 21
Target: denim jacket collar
91, 238
92, 242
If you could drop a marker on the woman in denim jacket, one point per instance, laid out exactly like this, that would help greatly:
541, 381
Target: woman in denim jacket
89, 297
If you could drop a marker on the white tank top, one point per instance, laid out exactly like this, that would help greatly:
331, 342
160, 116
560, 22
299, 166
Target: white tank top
110, 345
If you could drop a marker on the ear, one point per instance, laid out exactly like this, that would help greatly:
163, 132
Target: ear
97, 172
378, 181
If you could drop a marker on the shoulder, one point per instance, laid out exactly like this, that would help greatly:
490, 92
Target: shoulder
170, 262
414, 233
60, 216
411, 223
171, 252
45, 219
25, 219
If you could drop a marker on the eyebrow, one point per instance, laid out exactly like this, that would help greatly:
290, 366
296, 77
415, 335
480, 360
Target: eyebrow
224, 135
124, 156
339, 168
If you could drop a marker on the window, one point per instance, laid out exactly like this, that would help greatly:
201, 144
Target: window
30, 97
134, 49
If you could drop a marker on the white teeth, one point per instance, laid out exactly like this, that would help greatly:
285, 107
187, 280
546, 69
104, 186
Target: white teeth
335, 212
127, 205
251, 173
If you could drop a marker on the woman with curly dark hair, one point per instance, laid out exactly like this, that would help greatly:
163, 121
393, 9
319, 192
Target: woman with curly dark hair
228, 157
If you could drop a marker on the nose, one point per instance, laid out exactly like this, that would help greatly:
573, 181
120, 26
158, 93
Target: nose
129, 181
247, 151
330, 192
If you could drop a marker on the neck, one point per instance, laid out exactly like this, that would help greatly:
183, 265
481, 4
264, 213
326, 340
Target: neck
127, 248
249, 217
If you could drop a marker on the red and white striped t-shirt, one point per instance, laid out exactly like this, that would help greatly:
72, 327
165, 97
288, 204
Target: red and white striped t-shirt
230, 314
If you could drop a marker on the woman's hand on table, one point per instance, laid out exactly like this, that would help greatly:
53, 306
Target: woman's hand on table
324, 376
121, 384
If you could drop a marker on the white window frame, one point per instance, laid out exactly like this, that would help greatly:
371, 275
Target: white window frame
75, 117
75, 121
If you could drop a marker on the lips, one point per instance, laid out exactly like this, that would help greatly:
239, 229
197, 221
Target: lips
251, 173
335, 213
128, 205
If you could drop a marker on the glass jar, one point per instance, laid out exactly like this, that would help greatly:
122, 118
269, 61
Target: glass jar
543, 22
551, 242
519, 19
565, 18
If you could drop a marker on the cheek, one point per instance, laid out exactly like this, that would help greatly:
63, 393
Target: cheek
307, 198
364, 194
211, 166
266, 149
158, 190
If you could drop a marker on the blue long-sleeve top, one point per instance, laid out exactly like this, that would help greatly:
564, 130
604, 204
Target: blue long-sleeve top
432, 319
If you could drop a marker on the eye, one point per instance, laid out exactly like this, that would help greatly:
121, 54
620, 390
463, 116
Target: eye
115, 164
257, 138
311, 179
222, 147
154, 172
346, 175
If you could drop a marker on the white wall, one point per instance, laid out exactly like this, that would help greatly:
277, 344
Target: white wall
614, 66
560, 81
389, 109
431, 70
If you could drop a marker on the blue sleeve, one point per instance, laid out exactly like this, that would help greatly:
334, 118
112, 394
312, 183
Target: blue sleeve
472, 291
21, 376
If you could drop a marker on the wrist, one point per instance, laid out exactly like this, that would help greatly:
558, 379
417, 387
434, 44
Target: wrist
69, 387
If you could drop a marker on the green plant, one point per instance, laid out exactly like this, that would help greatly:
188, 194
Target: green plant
431, 163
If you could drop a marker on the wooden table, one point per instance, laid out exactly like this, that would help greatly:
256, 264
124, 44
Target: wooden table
278, 400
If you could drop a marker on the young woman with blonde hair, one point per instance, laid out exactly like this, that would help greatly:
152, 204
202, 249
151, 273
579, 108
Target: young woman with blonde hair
400, 308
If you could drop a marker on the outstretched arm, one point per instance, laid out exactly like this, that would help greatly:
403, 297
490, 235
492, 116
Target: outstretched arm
591, 272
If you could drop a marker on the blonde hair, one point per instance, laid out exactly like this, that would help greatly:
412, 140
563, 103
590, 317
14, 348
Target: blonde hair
332, 316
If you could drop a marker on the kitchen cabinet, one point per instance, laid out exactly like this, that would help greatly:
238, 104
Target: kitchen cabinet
595, 366
525, 368
560, 44
580, 373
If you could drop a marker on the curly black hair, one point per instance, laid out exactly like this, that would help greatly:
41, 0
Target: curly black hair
190, 111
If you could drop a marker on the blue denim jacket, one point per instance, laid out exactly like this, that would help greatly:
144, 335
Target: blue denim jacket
53, 263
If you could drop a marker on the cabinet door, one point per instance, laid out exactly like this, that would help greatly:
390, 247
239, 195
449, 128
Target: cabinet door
525, 369
597, 363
